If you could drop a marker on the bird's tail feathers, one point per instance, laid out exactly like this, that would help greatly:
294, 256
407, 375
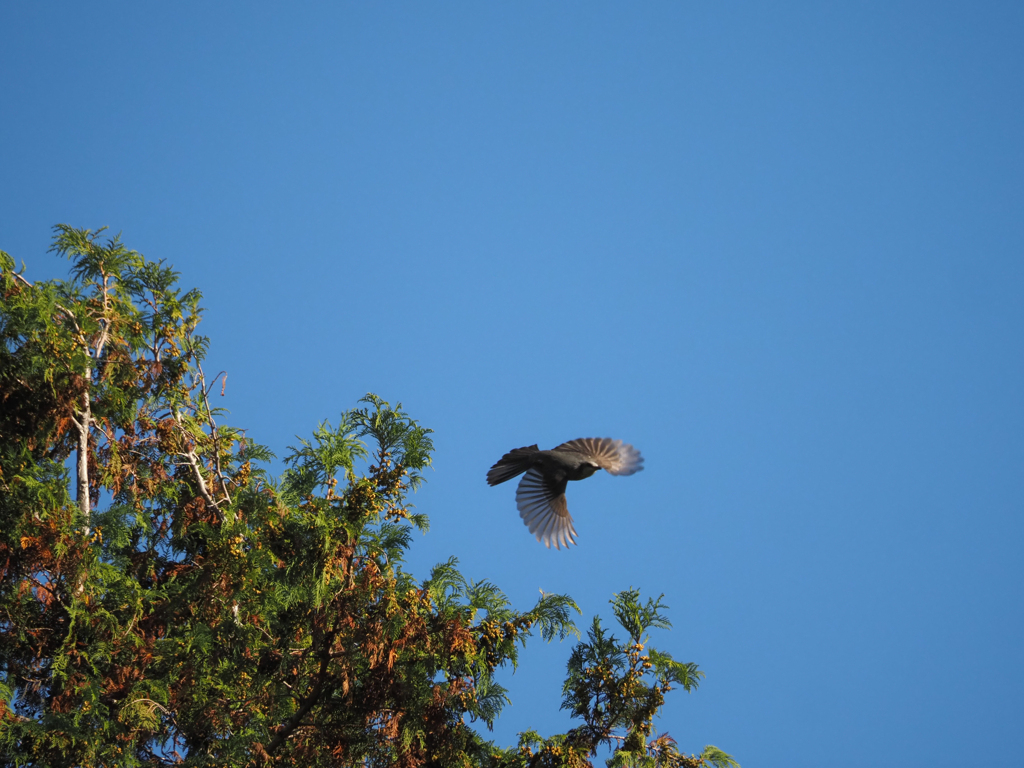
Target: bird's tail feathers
513, 463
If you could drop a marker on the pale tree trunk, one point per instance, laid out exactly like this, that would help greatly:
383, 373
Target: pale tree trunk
84, 421
85, 417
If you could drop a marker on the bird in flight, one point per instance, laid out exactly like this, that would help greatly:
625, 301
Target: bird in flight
540, 497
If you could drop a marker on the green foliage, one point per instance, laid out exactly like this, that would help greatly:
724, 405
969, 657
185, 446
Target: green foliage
211, 614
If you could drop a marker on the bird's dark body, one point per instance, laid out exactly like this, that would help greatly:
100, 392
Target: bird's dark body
557, 465
541, 494
570, 465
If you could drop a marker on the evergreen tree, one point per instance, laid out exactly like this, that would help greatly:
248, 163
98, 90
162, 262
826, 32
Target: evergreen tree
182, 606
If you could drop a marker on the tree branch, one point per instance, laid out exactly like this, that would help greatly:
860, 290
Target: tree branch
213, 428
293, 722
193, 462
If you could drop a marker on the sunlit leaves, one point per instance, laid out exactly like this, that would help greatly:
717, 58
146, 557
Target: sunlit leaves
315, 462
396, 434
618, 687
636, 617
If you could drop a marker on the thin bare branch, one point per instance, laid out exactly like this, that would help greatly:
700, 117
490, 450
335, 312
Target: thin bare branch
213, 428
193, 462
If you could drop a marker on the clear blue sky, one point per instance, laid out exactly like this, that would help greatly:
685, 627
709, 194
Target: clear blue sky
778, 247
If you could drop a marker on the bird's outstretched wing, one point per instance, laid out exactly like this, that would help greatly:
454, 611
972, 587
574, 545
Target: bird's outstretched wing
542, 506
613, 456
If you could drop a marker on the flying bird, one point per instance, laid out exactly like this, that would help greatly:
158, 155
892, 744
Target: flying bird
540, 497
